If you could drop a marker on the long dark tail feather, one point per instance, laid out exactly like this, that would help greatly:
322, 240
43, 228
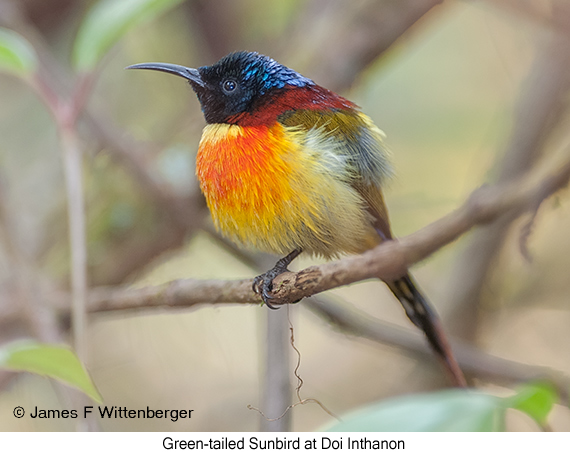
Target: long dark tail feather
425, 318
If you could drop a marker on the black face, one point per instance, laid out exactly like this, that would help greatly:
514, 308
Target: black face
234, 84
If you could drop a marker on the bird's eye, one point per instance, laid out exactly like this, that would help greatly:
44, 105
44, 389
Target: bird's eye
229, 86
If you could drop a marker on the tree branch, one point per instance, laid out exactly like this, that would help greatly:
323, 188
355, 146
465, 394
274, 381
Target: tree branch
388, 261
472, 361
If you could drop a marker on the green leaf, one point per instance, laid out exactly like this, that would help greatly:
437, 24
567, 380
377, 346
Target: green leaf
53, 361
106, 22
453, 410
535, 399
17, 55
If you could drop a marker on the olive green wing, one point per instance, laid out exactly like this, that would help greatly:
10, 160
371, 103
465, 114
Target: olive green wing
352, 139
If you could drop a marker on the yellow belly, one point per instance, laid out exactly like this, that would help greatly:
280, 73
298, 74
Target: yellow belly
276, 189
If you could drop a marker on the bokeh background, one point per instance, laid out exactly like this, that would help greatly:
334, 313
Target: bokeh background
455, 86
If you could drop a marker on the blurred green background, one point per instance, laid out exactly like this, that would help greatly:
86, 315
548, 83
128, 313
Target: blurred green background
445, 93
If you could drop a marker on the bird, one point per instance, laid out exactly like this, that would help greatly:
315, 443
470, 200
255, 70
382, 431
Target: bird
289, 167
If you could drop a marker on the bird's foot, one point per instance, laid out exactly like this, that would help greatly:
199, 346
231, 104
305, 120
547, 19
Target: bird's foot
263, 284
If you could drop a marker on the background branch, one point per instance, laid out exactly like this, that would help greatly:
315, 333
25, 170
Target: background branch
344, 41
473, 361
539, 110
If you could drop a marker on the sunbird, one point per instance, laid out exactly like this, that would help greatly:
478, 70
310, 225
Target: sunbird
287, 166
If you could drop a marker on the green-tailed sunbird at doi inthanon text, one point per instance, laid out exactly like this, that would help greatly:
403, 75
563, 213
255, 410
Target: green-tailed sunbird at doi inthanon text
288, 166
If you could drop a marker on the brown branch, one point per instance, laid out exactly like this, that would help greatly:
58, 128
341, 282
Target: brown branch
387, 261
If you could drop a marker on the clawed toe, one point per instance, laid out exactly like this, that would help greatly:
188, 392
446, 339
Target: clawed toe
263, 284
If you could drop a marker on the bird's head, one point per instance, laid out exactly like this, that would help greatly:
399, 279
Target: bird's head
239, 83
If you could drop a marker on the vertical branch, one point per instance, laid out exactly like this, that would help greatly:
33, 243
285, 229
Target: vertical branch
73, 169
65, 114
276, 385
72, 160
276, 359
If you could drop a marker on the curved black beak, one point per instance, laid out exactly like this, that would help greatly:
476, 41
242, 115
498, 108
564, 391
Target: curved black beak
186, 72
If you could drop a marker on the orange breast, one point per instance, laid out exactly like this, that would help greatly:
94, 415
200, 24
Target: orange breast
278, 188
244, 173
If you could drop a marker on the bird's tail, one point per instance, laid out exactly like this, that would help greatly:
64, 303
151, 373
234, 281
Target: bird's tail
425, 318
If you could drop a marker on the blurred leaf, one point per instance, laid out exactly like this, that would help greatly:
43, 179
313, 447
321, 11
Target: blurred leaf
453, 410
53, 361
535, 399
446, 411
17, 55
106, 22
